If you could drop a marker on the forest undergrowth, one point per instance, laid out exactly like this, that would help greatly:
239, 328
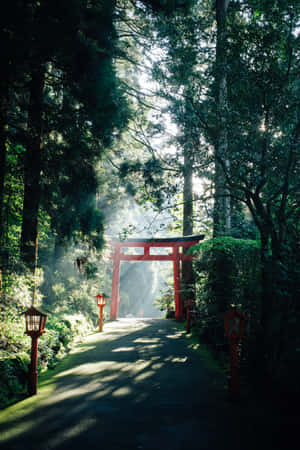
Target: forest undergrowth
71, 316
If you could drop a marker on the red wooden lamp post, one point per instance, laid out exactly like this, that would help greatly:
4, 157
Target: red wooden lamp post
234, 329
101, 302
168, 300
35, 327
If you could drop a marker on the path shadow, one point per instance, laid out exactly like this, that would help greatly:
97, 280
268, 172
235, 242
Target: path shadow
135, 386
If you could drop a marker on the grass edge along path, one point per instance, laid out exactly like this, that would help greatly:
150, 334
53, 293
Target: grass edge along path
251, 418
47, 384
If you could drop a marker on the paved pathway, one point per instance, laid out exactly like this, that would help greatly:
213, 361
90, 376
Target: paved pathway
135, 386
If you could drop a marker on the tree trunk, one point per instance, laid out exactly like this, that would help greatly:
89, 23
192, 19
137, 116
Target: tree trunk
59, 250
280, 301
222, 213
32, 169
265, 279
187, 266
265, 338
3, 149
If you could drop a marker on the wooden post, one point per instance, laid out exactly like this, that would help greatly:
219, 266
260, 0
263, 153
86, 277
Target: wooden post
234, 380
189, 303
32, 384
115, 285
188, 319
176, 270
101, 318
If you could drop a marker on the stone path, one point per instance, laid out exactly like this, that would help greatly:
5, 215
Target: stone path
135, 386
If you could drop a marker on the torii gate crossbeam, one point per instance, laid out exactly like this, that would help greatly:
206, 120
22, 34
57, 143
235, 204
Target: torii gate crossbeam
176, 256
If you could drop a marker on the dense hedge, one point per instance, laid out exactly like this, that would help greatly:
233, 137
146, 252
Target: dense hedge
227, 272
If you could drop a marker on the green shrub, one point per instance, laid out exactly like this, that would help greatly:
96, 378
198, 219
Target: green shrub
69, 301
13, 378
227, 272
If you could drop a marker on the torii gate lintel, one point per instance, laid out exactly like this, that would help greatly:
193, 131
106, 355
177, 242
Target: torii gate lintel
176, 256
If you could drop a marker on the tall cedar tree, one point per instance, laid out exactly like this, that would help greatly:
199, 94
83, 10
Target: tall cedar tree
69, 48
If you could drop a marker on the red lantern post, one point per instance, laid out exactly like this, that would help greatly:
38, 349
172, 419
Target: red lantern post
234, 329
35, 327
168, 299
101, 302
188, 305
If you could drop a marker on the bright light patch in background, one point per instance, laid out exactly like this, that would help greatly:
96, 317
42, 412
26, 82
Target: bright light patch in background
135, 220
197, 185
296, 31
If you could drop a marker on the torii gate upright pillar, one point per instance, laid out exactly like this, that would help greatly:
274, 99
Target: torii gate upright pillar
115, 284
177, 296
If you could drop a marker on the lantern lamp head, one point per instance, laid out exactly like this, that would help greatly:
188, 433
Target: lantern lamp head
35, 322
101, 300
234, 324
168, 298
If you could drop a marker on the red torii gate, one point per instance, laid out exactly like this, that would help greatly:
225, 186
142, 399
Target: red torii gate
176, 256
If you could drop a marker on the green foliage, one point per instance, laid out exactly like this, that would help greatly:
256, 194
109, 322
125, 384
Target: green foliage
89, 54
67, 85
239, 259
167, 7
13, 378
71, 314
166, 303
237, 282
77, 101
69, 289
14, 346
228, 272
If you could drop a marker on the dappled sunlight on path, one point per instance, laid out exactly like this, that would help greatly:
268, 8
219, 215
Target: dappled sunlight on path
137, 385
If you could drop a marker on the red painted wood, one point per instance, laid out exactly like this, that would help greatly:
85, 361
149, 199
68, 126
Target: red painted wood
175, 256
181, 257
101, 318
115, 285
177, 296
234, 379
234, 330
32, 382
153, 244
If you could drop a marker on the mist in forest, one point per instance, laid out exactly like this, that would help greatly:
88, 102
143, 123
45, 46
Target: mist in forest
140, 284
127, 219
144, 281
